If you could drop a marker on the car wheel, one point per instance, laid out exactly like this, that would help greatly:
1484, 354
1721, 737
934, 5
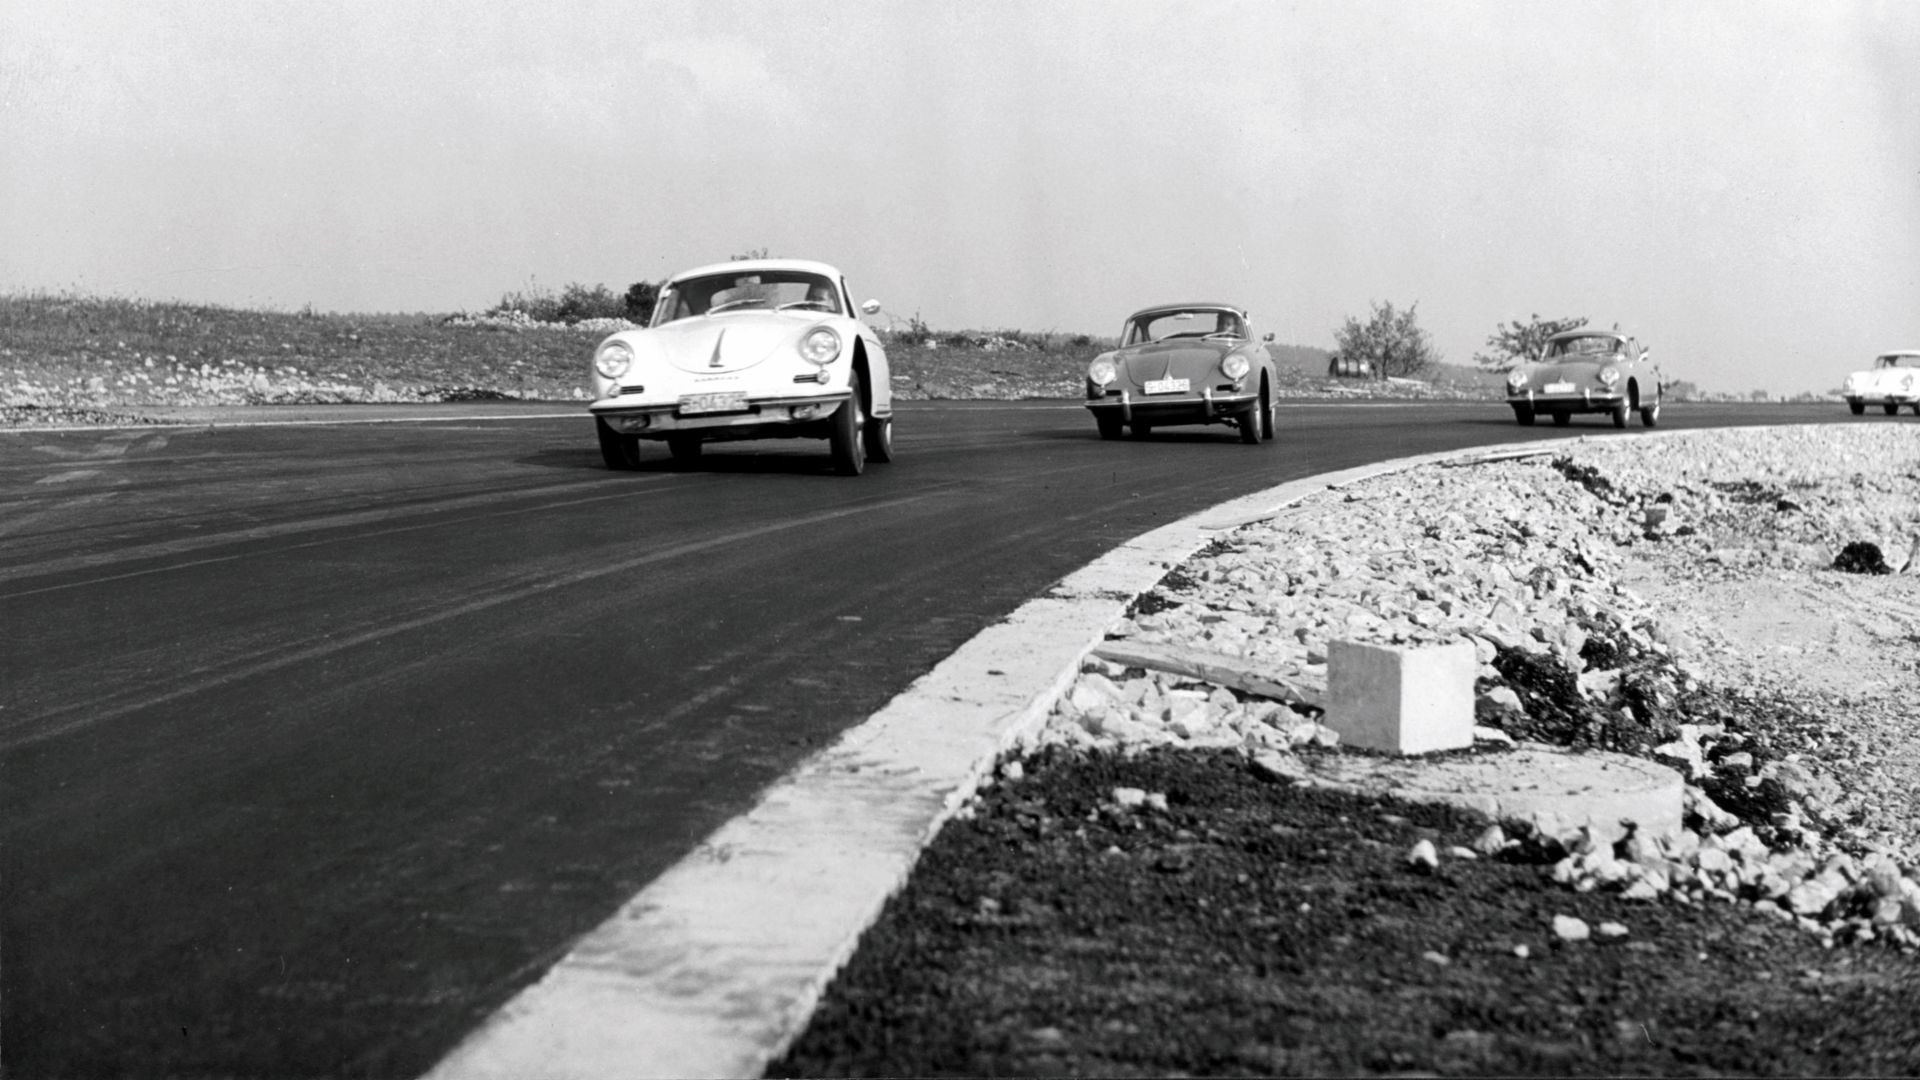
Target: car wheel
880, 439
684, 448
1139, 430
1269, 414
1892, 407
1916, 408
1856, 407
1620, 415
1249, 424
1524, 414
617, 450
849, 449
1109, 424
1560, 419
1650, 415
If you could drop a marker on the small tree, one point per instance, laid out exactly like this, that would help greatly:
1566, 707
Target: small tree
1391, 342
639, 301
1513, 344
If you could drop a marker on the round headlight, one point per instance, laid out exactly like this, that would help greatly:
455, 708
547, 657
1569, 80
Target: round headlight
1100, 372
1607, 376
1235, 366
820, 345
1516, 379
613, 359
1906, 382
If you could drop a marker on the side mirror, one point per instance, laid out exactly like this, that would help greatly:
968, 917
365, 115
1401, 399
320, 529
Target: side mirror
1268, 336
871, 307
1644, 353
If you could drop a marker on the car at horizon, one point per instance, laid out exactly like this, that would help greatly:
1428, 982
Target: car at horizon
749, 349
1587, 371
1893, 381
1192, 363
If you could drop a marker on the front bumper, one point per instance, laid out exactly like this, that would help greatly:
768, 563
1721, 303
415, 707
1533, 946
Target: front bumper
659, 419
1880, 397
1579, 401
1208, 406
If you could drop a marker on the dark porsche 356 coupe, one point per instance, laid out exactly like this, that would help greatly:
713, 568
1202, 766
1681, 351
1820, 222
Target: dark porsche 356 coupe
1184, 364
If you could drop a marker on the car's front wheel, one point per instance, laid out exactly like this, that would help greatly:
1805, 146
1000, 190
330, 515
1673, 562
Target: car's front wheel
1269, 414
1892, 408
880, 439
849, 422
1650, 414
1109, 424
617, 450
1249, 424
684, 448
1856, 407
1523, 414
1620, 415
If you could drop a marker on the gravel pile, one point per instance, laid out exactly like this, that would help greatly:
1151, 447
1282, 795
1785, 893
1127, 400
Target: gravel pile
1655, 596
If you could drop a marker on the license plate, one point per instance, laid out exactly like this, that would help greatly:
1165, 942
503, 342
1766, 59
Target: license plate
730, 401
1165, 386
1557, 388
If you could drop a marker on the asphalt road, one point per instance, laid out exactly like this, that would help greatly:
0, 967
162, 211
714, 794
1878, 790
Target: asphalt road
319, 742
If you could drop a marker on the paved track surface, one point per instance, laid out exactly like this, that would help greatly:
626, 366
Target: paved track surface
318, 742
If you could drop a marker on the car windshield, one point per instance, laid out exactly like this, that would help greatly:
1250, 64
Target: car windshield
1584, 348
759, 290
1900, 360
1183, 323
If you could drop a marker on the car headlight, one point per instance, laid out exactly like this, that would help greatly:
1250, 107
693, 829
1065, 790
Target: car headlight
1516, 379
1607, 376
1853, 381
821, 345
613, 359
1906, 383
1100, 372
1235, 366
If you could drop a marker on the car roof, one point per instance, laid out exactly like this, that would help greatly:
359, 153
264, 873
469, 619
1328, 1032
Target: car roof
748, 266
1899, 352
1198, 305
1589, 333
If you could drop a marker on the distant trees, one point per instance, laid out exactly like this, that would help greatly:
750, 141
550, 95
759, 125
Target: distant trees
1390, 343
639, 301
1514, 343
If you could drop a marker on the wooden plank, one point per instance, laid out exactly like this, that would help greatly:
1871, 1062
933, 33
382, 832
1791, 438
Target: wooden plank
1228, 671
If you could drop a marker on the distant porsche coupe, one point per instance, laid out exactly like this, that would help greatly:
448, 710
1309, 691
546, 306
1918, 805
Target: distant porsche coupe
1587, 371
1893, 381
1184, 364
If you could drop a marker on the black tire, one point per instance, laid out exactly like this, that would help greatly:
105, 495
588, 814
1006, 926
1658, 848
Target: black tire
1650, 416
621, 452
1892, 408
849, 422
1269, 413
1523, 414
1620, 415
684, 448
880, 439
1856, 407
1109, 424
1139, 430
1561, 419
1916, 408
1249, 424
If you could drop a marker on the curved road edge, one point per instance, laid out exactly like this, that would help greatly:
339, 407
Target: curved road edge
715, 967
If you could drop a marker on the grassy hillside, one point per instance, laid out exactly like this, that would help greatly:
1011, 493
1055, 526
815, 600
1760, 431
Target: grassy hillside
78, 352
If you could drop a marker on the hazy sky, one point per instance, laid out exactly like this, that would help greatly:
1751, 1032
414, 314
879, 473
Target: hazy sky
1738, 182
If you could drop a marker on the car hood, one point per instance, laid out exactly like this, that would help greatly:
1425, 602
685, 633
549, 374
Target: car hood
717, 344
1573, 371
1161, 359
1886, 378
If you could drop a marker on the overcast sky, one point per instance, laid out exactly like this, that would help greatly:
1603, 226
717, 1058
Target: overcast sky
1737, 182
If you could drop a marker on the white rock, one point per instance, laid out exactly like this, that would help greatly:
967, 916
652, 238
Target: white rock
1423, 856
1568, 928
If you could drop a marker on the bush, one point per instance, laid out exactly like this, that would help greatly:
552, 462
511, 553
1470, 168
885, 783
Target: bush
574, 303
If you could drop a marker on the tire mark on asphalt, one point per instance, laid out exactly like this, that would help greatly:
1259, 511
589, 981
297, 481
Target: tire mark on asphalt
93, 712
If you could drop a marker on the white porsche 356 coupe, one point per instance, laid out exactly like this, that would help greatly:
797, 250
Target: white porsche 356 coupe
752, 349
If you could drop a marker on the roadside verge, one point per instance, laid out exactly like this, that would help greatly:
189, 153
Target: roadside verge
714, 968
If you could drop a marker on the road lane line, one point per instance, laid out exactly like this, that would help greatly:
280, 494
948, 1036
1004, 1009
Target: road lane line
94, 712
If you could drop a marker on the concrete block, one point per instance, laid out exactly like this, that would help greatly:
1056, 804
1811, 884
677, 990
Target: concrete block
1403, 699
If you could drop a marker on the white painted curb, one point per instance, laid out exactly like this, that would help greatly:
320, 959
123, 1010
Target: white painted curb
715, 967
